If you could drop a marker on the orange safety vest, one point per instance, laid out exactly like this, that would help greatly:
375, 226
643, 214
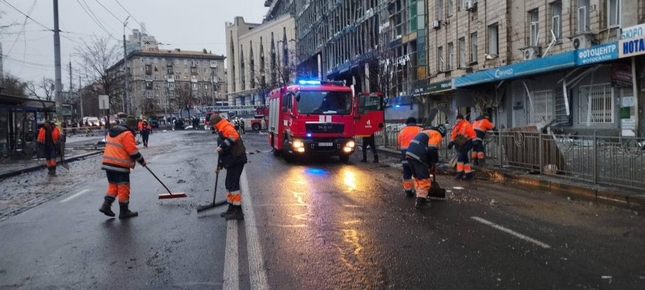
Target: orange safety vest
41, 135
406, 135
464, 128
481, 126
120, 152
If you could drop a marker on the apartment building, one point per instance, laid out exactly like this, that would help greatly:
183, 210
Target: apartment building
260, 57
164, 81
554, 63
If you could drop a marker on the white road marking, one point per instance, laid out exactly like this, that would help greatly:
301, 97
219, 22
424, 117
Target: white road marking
457, 187
509, 231
231, 261
75, 195
257, 273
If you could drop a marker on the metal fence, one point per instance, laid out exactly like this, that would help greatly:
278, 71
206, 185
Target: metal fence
613, 161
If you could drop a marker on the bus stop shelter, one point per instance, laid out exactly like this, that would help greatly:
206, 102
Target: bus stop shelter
20, 119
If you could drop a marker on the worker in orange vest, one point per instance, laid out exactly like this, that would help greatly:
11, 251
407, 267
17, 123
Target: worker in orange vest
481, 125
462, 137
405, 137
145, 131
118, 158
423, 154
232, 157
48, 139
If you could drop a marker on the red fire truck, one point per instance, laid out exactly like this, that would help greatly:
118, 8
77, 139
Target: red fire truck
315, 117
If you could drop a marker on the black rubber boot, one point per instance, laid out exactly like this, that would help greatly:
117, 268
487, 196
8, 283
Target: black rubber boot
375, 158
364, 157
409, 193
459, 176
53, 170
49, 171
421, 203
236, 214
228, 211
476, 161
106, 207
125, 212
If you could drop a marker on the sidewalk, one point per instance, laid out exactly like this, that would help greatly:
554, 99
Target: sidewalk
10, 168
602, 194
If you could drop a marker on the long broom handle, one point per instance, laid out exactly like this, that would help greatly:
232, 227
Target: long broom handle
158, 180
216, 179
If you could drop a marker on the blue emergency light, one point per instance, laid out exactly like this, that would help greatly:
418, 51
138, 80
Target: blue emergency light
308, 134
309, 82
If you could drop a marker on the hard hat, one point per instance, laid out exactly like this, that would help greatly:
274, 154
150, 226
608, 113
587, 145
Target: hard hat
442, 130
131, 121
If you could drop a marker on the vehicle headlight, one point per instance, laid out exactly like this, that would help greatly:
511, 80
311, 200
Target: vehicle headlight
298, 144
347, 149
350, 144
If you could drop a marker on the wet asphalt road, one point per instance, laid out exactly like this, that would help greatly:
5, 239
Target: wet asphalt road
318, 224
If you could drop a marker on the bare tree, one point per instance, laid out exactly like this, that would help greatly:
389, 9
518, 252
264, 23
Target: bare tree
97, 57
48, 87
12, 85
183, 99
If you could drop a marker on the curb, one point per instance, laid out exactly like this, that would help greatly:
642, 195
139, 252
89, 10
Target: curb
598, 194
41, 166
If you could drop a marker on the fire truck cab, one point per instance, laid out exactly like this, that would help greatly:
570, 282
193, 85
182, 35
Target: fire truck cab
314, 117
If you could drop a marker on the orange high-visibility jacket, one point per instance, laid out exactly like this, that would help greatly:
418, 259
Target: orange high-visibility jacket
41, 135
464, 128
406, 135
120, 150
422, 145
481, 126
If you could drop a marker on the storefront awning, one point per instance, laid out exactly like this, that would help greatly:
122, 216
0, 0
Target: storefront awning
27, 103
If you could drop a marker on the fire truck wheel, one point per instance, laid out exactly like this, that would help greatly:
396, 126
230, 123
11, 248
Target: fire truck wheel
344, 158
288, 157
255, 127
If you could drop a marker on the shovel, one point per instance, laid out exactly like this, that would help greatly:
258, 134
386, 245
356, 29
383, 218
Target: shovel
436, 192
213, 204
168, 195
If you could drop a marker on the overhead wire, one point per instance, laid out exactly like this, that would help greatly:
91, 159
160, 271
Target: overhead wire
134, 18
34, 20
109, 11
96, 21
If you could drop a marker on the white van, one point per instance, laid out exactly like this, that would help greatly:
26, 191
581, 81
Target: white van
92, 121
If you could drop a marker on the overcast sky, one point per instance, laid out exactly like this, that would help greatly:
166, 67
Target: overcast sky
187, 24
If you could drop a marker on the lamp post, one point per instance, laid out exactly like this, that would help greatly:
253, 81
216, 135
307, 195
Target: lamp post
126, 99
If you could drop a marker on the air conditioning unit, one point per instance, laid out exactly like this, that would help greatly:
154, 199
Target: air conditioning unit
436, 24
581, 42
532, 52
471, 5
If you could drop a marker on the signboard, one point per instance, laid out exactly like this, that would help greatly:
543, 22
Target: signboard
104, 102
597, 53
621, 74
525, 68
632, 41
440, 87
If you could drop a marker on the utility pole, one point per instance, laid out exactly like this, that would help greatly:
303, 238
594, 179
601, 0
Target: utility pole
80, 96
126, 99
59, 85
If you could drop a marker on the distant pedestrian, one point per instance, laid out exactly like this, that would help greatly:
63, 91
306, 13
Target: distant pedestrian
406, 135
146, 129
369, 141
481, 125
422, 155
118, 158
48, 139
232, 157
462, 137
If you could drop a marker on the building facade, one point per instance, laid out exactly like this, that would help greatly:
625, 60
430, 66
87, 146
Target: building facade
162, 82
260, 57
140, 41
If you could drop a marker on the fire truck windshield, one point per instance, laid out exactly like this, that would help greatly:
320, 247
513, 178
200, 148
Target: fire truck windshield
324, 102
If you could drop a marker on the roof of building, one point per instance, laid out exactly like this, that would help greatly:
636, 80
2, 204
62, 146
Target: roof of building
175, 53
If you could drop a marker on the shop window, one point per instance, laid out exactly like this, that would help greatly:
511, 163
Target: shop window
596, 104
543, 106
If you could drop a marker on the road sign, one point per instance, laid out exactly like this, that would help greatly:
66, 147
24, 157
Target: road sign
104, 102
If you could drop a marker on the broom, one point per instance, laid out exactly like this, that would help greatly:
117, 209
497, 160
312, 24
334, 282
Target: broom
213, 204
168, 195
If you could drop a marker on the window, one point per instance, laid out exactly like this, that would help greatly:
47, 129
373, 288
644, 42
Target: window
543, 106
556, 20
439, 9
462, 52
193, 71
451, 7
451, 56
473, 47
596, 104
583, 16
493, 40
148, 69
534, 25
149, 85
440, 60
613, 15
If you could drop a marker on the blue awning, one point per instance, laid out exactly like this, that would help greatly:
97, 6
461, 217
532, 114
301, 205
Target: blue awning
525, 68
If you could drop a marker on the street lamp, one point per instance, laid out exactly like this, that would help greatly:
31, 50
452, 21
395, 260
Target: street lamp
126, 99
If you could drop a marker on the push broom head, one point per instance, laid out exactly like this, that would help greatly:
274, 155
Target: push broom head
172, 195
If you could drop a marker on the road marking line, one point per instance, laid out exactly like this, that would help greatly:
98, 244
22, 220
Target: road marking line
231, 260
75, 195
509, 231
257, 273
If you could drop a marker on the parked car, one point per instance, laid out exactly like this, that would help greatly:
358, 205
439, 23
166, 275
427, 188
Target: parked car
92, 121
153, 123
